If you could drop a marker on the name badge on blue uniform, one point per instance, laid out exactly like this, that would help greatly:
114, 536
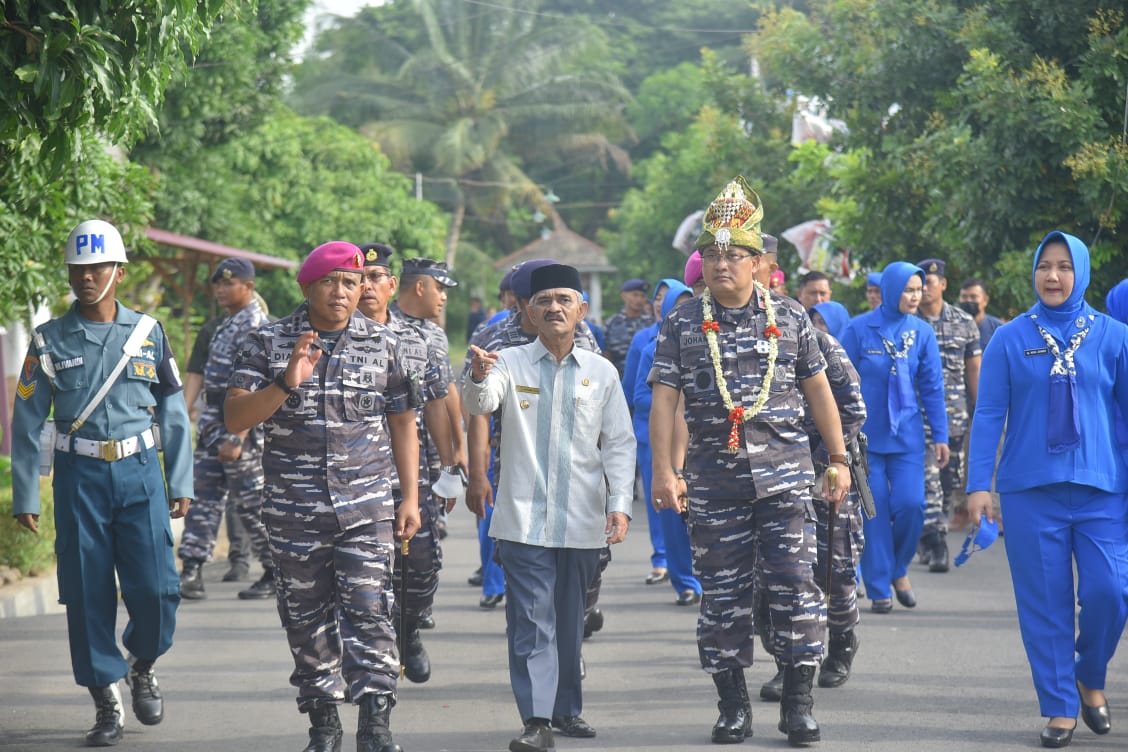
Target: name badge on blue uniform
1036, 351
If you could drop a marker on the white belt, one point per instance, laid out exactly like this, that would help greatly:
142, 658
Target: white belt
110, 451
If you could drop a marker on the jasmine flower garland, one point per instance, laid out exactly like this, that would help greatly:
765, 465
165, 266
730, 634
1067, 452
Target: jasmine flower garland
736, 413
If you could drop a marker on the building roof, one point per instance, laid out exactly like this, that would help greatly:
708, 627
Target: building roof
199, 245
564, 246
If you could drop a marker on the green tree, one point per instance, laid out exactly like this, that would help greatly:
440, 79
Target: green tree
76, 79
474, 97
976, 127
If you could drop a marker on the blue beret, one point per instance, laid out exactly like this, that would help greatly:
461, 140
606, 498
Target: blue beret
233, 268
635, 284
932, 266
377, 254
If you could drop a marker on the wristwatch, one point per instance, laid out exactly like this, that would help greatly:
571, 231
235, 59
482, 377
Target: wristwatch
280, 382
235, 440
841, 459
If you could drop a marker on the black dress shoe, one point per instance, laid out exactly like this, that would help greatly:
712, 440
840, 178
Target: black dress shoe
688, 598
1097, 718
491, 601
427, 621
882, 606
264, 588
657, 576
1056, 737
573, 725
593, 622
905, 597
475, 580
535, 737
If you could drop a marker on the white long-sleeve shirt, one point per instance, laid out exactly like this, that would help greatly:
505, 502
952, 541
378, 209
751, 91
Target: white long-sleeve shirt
567, 447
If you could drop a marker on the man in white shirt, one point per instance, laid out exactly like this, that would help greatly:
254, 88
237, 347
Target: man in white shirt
568, 463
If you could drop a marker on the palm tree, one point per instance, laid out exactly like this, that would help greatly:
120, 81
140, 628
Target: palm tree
474, 95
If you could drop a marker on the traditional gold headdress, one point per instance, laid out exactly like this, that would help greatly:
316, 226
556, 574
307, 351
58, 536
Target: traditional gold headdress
733, 218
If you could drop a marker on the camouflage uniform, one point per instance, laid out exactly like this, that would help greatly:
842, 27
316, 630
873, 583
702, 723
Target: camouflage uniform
215, 480
758, 498
618, 331
328, 506
957, 335
428, 366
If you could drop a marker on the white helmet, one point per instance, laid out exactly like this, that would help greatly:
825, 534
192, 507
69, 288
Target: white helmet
95, 242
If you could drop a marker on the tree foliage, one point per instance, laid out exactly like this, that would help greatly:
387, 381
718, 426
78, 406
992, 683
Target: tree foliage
1007, 121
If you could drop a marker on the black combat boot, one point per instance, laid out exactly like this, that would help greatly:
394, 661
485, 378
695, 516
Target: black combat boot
373, 733
839, 658
795, 708
735, 720
938, 561
325, 730
772, 689
192, 581
416, 662
109, 721
148, 705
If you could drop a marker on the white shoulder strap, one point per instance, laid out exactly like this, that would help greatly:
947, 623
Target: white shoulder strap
131, 349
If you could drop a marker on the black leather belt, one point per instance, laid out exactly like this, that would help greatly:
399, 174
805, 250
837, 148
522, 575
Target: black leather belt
214, 399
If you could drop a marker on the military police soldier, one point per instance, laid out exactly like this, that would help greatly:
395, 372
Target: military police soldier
330, 389
621, 328
741, 358
429, 370
110, 375
960, 353
226, 464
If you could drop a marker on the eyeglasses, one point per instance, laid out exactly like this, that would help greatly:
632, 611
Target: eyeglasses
730, 257
375, 277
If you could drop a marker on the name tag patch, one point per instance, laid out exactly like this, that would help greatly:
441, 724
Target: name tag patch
69, 363
528, 389
1036, 351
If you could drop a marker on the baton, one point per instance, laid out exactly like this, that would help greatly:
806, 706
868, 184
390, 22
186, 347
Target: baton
832, 513
404, 548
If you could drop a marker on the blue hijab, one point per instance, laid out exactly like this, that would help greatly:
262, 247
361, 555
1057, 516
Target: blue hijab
1063, 431
675, 290
901, 399
835, 315
1117, 302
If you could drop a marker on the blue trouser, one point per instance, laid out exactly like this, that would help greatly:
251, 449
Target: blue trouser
544, 613
114, 516
897, 481
493, 577
658, 558
1048, 530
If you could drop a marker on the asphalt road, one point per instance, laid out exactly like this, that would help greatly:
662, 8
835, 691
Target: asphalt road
949, 676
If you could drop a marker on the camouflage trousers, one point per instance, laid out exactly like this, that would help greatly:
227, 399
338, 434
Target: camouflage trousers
591, 597
216, 482
423, 562
849, 541
941, 485
726, 535
335, 601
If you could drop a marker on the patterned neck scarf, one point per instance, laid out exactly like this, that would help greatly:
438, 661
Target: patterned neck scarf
1063, 424
901, 399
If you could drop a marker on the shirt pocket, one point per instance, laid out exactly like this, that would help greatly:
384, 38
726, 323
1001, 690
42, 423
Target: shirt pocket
783, 377
362, 392
588, 418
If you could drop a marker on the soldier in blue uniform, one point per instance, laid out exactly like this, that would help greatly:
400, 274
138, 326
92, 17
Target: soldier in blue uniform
329, 387
226, 463
744, 360
428, 366
110, 375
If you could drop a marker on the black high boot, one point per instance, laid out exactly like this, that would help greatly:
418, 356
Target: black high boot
416, 662
192, 581
772, 689
373, 732
325, 730
108, 724
735, 720
835, 668
795, 708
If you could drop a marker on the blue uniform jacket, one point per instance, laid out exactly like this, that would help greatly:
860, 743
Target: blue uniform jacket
862, 341
148, 391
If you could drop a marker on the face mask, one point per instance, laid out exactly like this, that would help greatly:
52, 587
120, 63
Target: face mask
970, 306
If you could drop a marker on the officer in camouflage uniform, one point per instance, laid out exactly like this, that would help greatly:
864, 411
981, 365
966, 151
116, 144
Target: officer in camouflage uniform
749, 469
957, 335
620, 329
330, 389
226, 463
429, 369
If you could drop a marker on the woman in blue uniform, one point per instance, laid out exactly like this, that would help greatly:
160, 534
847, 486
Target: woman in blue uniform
1062, 482
897, 358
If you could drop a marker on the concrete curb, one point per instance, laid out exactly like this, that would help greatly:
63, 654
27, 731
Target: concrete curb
31, 596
